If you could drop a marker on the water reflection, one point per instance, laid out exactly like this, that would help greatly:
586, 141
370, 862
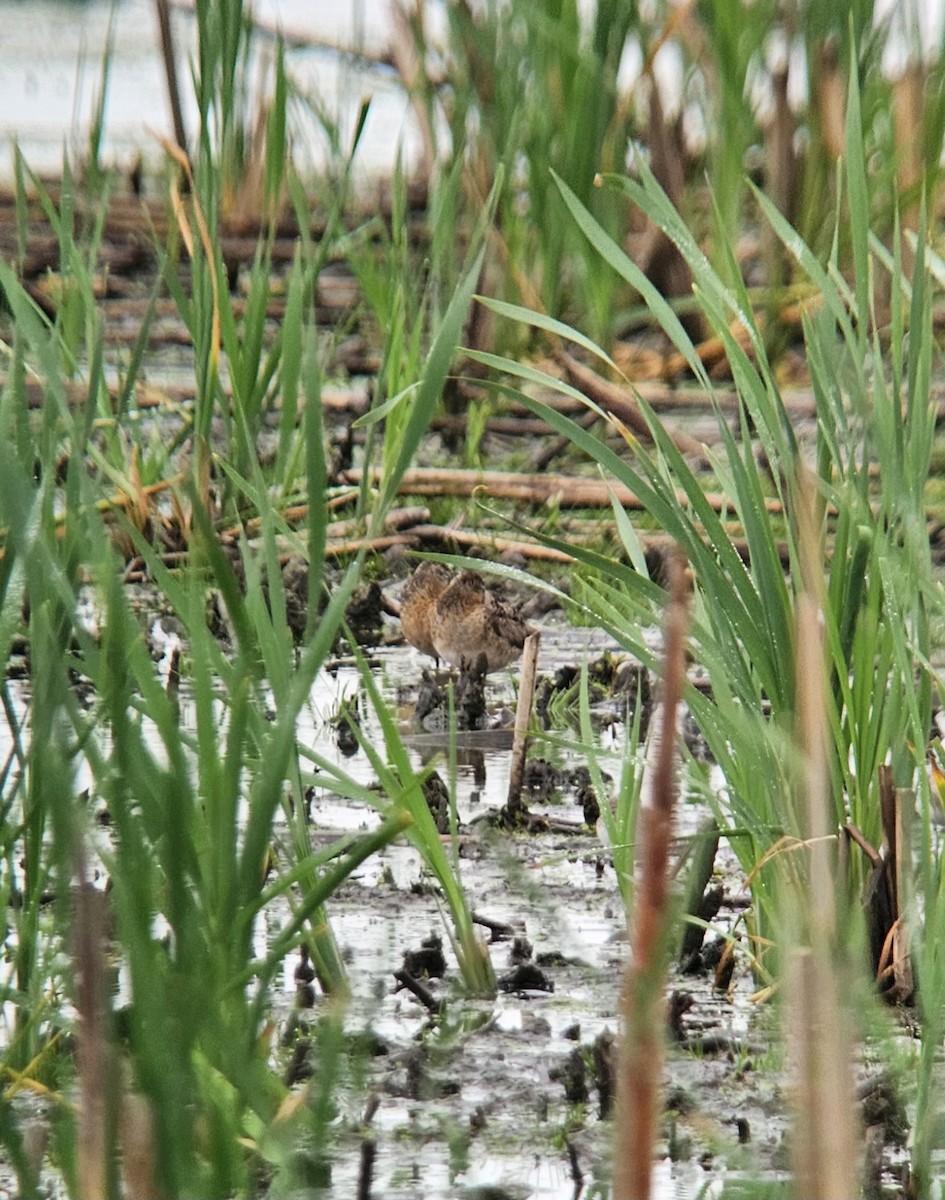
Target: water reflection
51, 63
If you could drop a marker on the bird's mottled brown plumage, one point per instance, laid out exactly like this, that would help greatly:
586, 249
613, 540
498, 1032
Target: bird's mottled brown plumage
471, 625
457, 618
417, 601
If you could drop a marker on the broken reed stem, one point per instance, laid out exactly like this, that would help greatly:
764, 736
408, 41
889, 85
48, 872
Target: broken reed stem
420, 990
902, 953
139, 1149
523, 712
97, 1100
536, 488
641, 1057
620, 403
816, 1013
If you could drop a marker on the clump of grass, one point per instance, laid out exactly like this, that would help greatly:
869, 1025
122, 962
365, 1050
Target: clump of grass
401, 788
191, 813
552, 86
871, 385
742, 619
532, 87
193, 804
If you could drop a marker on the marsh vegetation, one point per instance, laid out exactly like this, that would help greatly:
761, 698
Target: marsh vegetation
677, 371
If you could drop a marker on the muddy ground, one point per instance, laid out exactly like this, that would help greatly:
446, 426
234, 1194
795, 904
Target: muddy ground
512, 1097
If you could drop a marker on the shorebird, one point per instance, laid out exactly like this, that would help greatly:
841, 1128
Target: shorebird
470, 626
417, 601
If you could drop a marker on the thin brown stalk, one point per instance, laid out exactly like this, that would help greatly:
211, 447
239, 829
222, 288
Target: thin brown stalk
566, 490
139, 1150
824, 1145
908, 106
444, 535
170, 70
407, 37
95, 1143
902, 954
830, 99
368, 1151
526, 697
642, 1004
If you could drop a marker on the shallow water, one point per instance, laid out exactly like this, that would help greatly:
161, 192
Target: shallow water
507, 1122
504, 1127
51, 55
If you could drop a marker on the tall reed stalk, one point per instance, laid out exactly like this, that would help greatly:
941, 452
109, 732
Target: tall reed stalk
642, 1004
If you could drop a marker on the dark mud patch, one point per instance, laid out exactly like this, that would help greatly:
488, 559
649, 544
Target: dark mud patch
514, 1095
517, 1092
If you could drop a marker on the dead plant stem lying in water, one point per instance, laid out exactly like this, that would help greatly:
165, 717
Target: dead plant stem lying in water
642, 999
